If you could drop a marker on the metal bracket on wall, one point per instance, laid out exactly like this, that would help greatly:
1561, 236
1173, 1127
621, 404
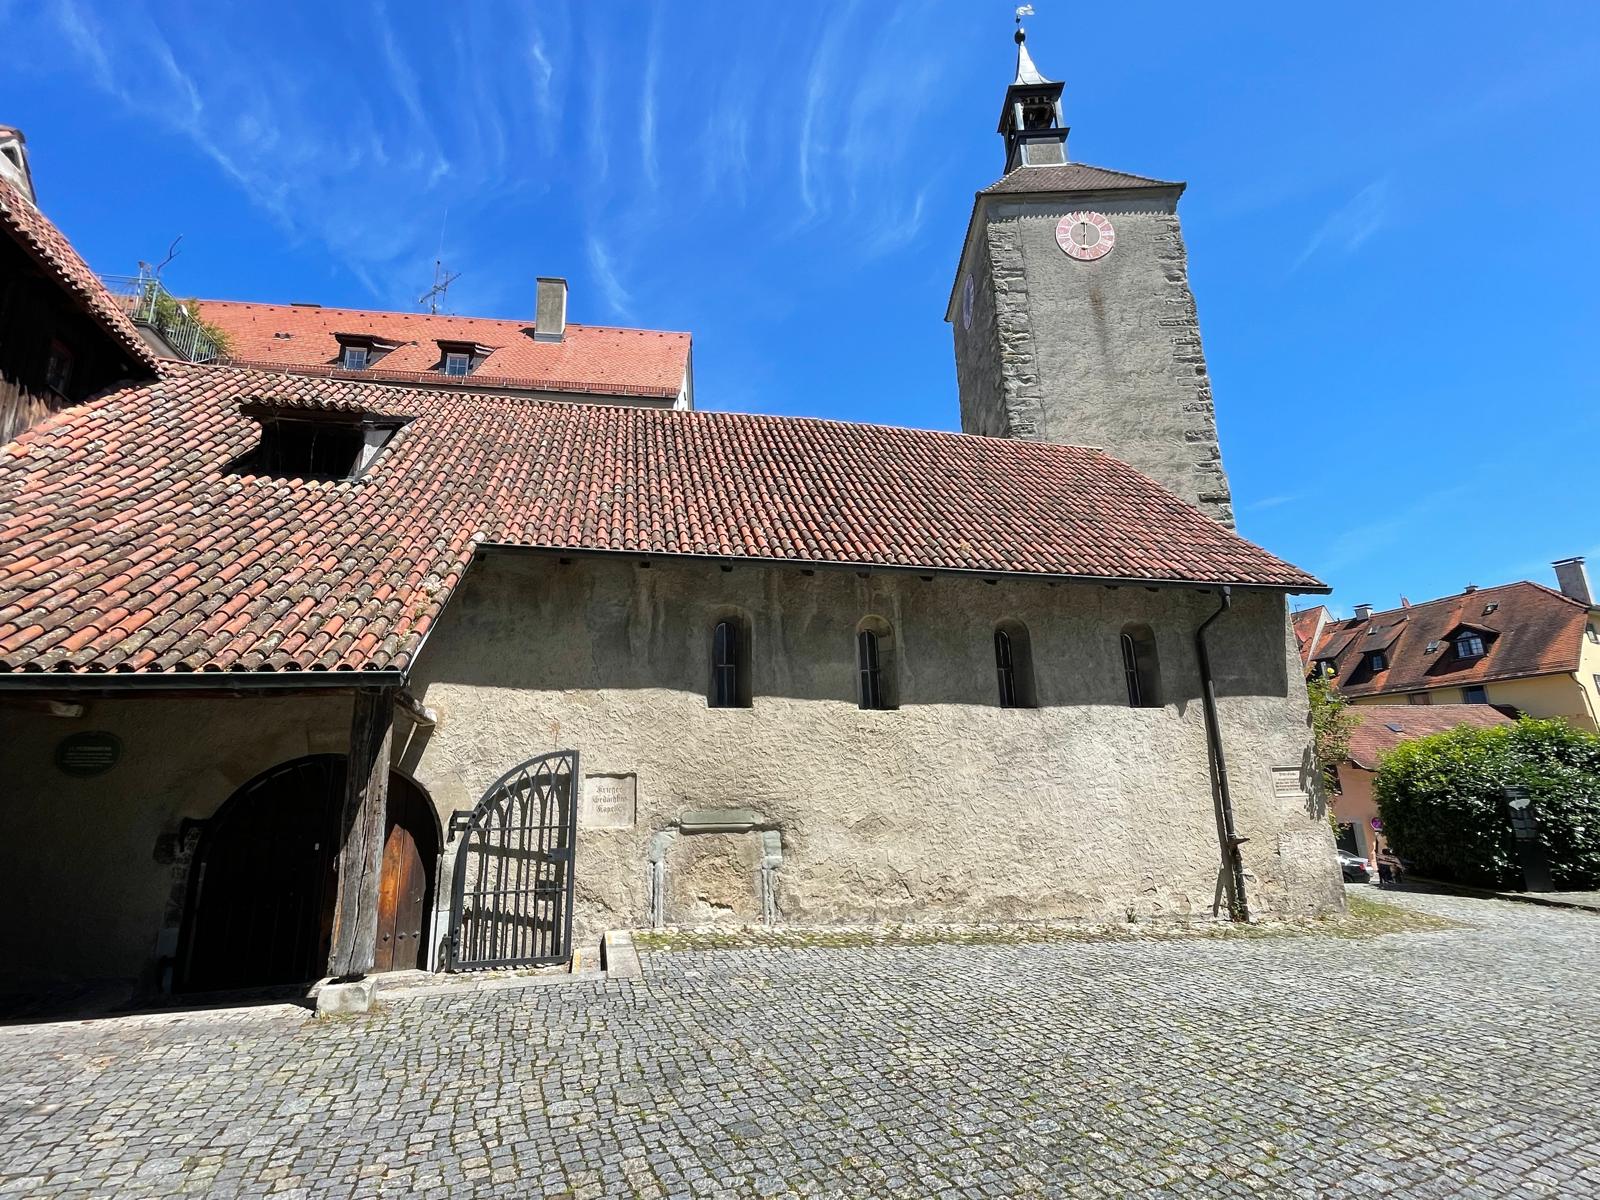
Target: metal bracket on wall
459, 820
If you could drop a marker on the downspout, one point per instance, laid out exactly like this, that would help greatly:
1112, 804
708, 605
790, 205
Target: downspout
1227, 833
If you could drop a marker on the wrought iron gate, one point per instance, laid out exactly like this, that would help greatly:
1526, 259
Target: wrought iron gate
512, 901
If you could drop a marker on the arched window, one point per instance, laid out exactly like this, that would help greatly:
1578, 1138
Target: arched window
875, 664
1140, 668
1013, 665
730, 664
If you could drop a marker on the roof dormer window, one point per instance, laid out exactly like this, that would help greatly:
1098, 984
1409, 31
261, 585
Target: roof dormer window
457, 360
360, 351
1469, 645
1378, 661
310, 444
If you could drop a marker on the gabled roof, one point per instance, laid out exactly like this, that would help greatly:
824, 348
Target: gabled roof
1071, 177
37, 235
589, 359
1375, 734
1538, 631
127, 545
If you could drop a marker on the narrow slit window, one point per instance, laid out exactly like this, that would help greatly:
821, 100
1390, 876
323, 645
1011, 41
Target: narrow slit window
1140, 670
730, 670
871, 666
1013, 665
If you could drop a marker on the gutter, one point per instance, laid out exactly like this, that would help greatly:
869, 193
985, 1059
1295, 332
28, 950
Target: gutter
862, 568
1227, 833
196, 681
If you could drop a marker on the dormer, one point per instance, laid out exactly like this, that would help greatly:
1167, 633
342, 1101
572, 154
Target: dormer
458, 359
316, 444
1469, 641
361, 351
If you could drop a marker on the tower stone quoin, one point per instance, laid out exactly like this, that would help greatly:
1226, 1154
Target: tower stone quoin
1072, 312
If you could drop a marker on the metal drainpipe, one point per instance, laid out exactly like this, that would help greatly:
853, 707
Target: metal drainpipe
1227, 833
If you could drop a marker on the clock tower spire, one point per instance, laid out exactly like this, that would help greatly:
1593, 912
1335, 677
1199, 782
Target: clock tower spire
1071, 310
1031, 121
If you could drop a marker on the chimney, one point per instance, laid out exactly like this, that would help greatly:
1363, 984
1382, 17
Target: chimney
14, 162
1574, 580
1469, 589
550, 314
1363, 612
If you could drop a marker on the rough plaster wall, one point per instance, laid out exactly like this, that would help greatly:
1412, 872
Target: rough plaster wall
950, 807
96, 866
1106, 353
947, 808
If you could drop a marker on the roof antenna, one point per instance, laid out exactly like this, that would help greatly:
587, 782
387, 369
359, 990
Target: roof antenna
442, 279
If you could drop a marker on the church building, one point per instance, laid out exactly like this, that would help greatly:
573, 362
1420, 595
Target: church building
306, 674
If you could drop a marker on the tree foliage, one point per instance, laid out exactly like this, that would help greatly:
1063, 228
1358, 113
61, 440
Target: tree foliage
1441, 801
1332, 722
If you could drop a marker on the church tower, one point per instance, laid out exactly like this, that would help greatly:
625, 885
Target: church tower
1072, 312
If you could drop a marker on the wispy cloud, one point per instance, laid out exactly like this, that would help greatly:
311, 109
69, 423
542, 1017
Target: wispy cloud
1267, 502
603, 269
1368, 540
1349, 226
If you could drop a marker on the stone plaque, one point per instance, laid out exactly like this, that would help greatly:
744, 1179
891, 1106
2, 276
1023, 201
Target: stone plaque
1286, 783
88, 754
609, 802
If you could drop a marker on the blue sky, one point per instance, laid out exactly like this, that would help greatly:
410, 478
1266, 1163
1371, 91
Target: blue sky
1391, 215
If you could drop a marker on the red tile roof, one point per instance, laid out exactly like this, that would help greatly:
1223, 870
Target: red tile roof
593, 359
1372, 737
1308, 624
126, 544
1071, 177
46, 245
1539, 632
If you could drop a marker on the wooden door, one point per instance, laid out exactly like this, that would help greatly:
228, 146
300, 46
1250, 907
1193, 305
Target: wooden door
264, 878
406, 883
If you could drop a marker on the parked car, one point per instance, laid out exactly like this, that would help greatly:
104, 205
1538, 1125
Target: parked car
1354, 868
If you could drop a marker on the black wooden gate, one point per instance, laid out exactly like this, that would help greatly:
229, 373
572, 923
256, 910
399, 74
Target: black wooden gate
512, 902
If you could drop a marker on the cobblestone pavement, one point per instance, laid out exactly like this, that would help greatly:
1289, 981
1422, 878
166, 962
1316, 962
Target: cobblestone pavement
1462, 1063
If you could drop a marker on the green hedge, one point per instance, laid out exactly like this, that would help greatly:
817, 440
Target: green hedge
1442, 811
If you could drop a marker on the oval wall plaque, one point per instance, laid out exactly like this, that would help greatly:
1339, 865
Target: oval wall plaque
93, 752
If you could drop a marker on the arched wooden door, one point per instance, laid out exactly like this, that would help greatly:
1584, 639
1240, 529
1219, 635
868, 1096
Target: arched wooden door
410, 850
265, 877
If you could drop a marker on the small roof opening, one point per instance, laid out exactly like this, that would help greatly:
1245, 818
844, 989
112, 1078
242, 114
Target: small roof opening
315, 445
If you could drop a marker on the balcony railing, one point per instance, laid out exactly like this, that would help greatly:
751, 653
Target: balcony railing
149, 304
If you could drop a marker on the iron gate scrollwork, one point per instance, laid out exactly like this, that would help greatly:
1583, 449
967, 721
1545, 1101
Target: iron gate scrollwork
512, 901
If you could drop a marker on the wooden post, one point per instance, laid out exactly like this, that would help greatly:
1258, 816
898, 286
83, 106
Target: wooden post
366, 796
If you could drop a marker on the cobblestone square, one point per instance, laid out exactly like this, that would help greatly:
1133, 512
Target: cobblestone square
1455, 1063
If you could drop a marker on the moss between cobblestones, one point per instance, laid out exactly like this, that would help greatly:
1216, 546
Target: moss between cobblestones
1364, 918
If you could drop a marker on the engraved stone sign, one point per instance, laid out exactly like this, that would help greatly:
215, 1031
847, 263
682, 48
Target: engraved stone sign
609, 802
1286, 783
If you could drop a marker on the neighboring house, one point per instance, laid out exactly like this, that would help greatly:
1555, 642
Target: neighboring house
545, 357
1382, 727
61, 337
305, 676
1521, 646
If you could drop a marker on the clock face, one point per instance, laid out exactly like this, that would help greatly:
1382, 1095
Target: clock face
966, 304
1085, 236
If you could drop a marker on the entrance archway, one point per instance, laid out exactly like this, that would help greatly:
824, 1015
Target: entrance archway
263, 883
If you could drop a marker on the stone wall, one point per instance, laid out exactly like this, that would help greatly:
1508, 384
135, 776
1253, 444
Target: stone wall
802, 808
1103, 353
949, 808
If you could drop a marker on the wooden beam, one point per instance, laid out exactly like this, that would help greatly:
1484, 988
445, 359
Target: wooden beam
366, 796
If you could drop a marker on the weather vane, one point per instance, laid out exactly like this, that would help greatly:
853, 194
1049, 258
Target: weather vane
1023, 10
